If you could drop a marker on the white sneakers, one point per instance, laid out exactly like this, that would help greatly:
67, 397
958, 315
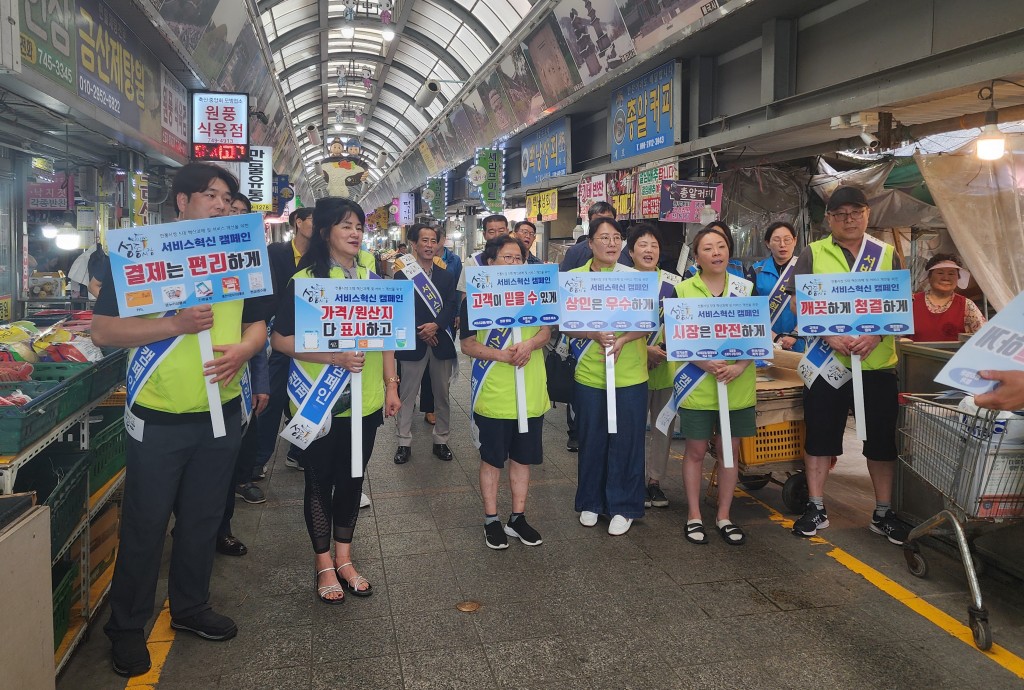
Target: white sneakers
588, 519
619, 525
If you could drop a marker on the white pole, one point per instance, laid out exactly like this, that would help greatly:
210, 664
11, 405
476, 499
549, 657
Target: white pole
725, 425
212, 392
609, 388
858, 398
356, 384
517, 337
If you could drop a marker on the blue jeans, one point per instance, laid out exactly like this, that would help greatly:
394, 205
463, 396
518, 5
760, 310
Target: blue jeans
611, 466
271, 417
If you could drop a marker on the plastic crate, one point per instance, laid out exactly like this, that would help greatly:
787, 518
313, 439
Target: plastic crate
108, 372
20, 425
106, 453
75, 377
782, 442
61, 483
63, 597
117, 398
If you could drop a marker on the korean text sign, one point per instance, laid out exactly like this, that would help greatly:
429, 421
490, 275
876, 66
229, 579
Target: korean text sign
507, 296
609, 301
864, 303
542, 205
220, 126
683, 201
545, 153
644, 116
716, 328
189, 263
999, 344
334, 314
648, 182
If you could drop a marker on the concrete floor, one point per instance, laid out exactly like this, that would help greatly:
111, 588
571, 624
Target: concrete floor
583, 610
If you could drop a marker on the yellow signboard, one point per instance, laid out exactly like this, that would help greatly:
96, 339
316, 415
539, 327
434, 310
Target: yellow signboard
5, 309
140, 209
542, 205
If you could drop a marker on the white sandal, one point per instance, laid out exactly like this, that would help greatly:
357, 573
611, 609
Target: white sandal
353, 584
324, 590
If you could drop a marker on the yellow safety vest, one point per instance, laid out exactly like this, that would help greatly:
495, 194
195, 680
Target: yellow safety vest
497, 396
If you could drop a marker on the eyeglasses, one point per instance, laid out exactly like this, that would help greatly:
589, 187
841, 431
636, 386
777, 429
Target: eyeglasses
609, 239
511, 258
852, 215
783, 239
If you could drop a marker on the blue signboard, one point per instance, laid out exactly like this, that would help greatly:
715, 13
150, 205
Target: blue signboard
999, 345
609, 301
505, 296
644, 113
334, 314
156, 268
857, 303
545, 153
716, 328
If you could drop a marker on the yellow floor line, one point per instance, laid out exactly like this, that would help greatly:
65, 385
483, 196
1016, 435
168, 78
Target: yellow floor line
160, 640
1002, 656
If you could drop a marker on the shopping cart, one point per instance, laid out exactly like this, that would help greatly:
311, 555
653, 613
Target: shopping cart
965, 457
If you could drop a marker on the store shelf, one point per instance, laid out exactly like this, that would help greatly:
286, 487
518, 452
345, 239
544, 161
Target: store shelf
99, 590
75, 634
79, 531
99, 498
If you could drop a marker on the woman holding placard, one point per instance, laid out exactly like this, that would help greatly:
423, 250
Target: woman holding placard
495, 407
611, 466
698, 412
332, 495
644, 247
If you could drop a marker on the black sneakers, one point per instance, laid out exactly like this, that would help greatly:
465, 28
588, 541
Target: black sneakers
250, 493
494, 535
655, 497
130, 656
811, 521
889, 527
208, 625
521, 530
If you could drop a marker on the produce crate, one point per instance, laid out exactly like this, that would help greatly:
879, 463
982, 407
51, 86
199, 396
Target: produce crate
75, 377
106, 453
117, 398
63, 597
108, 372
782, 442
60, 482
20, 425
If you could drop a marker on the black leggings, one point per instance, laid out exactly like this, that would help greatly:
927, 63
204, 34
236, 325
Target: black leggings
332, 494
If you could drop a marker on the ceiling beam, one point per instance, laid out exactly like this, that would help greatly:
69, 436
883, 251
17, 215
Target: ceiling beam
325, 106
389, 58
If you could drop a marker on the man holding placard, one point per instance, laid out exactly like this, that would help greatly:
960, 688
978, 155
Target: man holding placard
177, 458
508, 371
829, 388
436, 307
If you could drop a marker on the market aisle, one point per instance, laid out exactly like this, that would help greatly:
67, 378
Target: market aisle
584, 610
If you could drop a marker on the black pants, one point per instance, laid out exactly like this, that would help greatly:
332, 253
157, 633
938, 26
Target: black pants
245, 462
331, 503
179, 468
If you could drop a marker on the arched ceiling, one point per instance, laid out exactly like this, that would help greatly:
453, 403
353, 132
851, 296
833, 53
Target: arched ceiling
446, 40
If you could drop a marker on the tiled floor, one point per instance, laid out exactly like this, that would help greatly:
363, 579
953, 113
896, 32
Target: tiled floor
583, 610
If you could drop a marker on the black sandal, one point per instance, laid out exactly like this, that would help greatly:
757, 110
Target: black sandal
353, 584
322, 591
727, 532
695, 533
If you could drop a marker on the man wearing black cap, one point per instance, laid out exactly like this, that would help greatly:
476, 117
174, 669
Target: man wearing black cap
828, 391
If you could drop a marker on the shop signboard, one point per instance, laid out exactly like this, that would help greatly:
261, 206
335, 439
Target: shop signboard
256, 179
220, 126
428, 158
546, 153
406, 208
434, 195
855, 303
156, 268
5, 308
648, 188
334, 315
998, 345
112, 71
493, 163
591, 189
683, 201
55, 195
140, 199
48, 41
283, 193
173, 113
644, 116
700, 329
512, 296
622, 300
542, 206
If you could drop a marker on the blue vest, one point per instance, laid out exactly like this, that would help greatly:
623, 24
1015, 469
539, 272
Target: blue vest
765, 276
